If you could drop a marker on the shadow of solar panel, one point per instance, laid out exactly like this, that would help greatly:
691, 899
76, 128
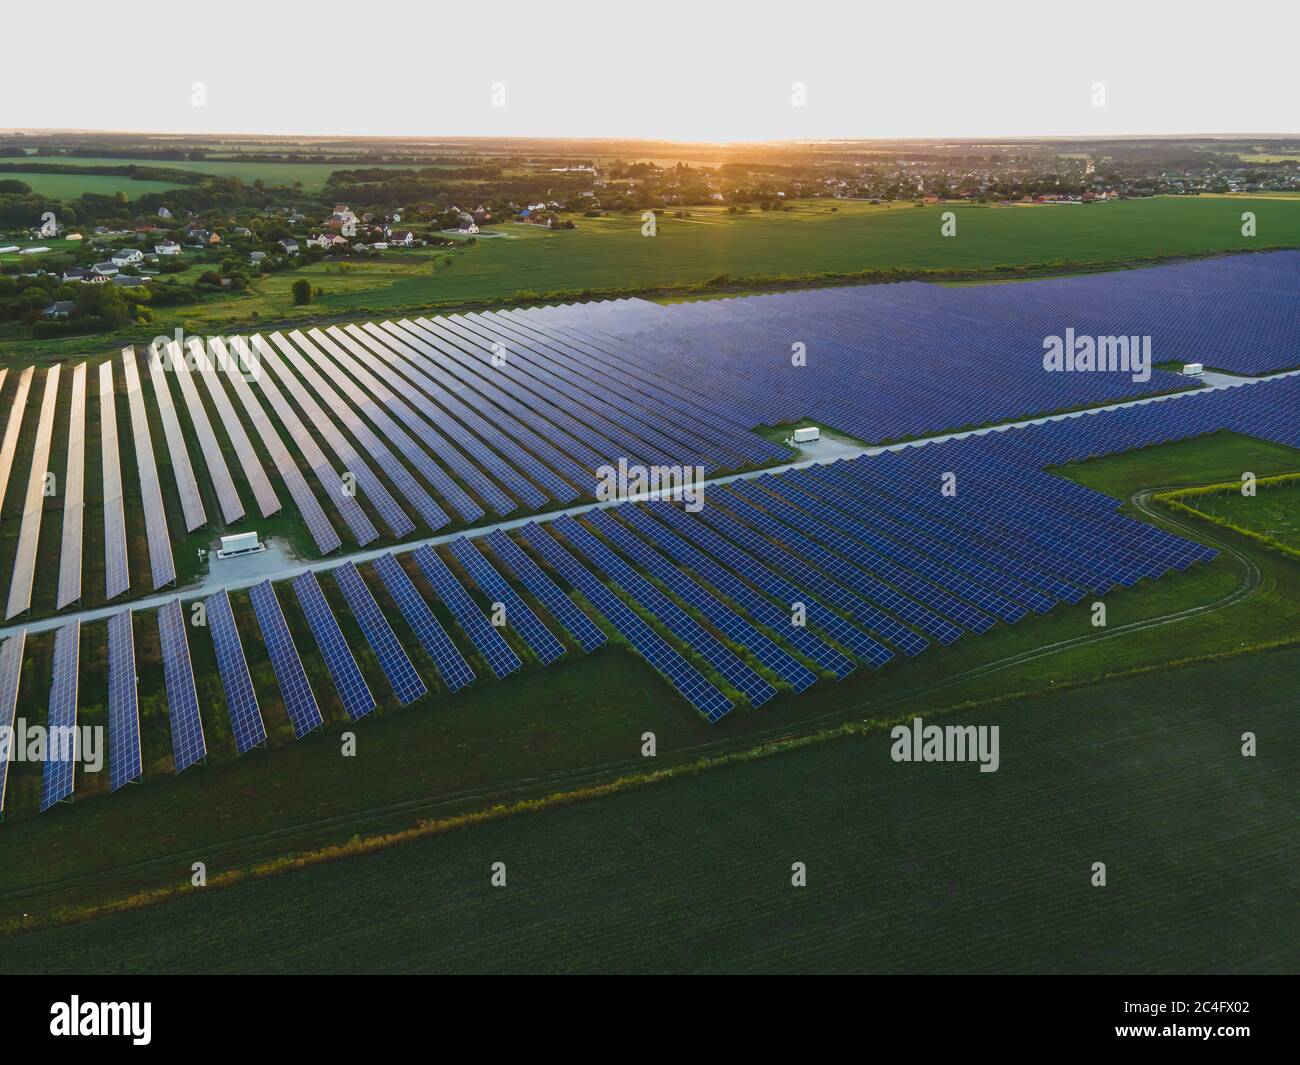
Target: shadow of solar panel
124, 759
351, 686
518, 614
299, 702
500, 658
188, 744
241, 701
402, 677
451, 665
61, 728
545, 591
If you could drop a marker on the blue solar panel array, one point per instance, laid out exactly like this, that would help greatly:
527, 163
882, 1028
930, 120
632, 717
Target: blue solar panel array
490, 644
689, 631
188, 744
545, 591
299, 701
518, 614
351, 686
61, 730
450, 663
241, 701
688, 680
124, 760
403, 678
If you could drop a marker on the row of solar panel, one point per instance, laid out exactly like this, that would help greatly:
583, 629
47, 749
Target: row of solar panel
913, 359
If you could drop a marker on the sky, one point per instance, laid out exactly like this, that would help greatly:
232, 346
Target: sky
700, 71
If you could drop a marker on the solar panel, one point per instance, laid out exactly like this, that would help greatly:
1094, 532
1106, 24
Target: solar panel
377, 410
484, 442
241, 701
117, 578
188, 743
11, 671
649, 644
669, 614
299, 702
403, 678
518, 615
500, 658
29, 533
407, 486
232, 508
353, 691
372, 487
61, 730
728, 621
761, 609
13, 427
327, 539
187, 484
484, 487
451, 665
161, 564
267, 501
545, 591
330, 480
74, 495
124, 758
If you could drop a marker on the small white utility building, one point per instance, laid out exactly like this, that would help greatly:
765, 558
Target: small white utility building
239, 544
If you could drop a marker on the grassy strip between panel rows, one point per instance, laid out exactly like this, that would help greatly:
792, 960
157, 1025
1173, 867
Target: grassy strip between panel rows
1174, 501
424, 829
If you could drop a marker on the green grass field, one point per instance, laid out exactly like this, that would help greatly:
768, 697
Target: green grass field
1273, 512
312, 176
71, 186
564, 726
910, 867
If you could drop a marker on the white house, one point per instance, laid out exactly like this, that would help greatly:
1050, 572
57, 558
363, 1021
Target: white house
127, 257
167, 247
405, 238
467, 227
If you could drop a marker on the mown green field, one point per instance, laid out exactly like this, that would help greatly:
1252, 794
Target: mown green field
935, 868
1274, 511
571, 723
312, 176
812, 239
72, 186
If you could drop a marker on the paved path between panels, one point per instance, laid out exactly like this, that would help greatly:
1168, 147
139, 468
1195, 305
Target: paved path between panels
828, 450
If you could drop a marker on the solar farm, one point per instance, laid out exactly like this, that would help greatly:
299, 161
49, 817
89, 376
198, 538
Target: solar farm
446, 473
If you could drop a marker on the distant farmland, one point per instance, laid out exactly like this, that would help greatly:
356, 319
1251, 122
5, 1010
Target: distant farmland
71, 186
815, 237
312, 175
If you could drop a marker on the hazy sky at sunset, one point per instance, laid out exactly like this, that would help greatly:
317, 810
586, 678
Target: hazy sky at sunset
679, 71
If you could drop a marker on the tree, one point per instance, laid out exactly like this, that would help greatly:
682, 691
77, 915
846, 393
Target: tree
301, 292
